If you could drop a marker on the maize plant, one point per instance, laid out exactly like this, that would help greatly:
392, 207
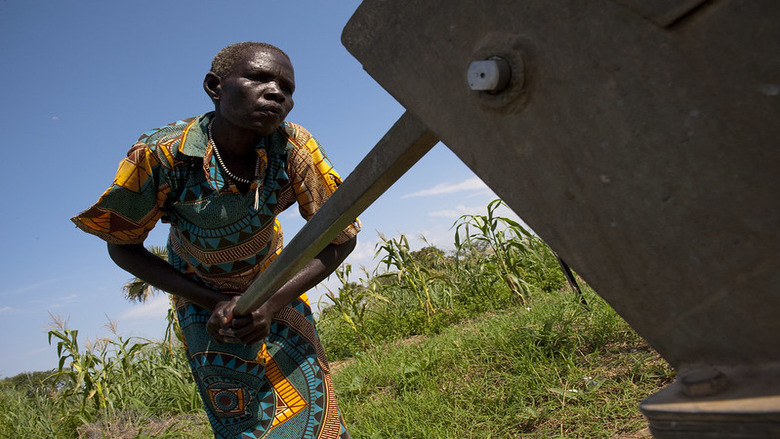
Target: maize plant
412, 276
511, 248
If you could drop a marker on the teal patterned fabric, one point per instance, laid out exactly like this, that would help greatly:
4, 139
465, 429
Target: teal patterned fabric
225, 237
285, 392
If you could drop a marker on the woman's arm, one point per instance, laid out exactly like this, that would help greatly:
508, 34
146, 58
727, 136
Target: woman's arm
138, 261
255, 326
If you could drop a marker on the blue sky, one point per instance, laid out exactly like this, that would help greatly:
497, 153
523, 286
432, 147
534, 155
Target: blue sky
83, 79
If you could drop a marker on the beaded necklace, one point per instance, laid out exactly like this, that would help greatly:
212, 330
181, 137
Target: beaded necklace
231, 175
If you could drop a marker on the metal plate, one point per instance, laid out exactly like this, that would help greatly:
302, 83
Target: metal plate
646, 156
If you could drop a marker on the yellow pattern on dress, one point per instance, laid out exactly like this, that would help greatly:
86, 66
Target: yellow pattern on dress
290, 402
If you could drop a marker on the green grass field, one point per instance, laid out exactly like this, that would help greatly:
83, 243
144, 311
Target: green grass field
544, 372
485, 342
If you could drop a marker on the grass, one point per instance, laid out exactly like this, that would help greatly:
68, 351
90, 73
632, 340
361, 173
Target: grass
487, 342
547, 371
133, 425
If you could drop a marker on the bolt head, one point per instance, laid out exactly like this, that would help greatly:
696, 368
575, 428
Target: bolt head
489, 75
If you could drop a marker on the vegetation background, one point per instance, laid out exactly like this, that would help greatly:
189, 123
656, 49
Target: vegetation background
486, 342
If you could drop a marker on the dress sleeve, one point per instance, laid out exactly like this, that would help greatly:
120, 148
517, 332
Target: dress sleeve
314, 179
130, 208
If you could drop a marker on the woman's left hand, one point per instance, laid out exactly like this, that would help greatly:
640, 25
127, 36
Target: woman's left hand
250, 328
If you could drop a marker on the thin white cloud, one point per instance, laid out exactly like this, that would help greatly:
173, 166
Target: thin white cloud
458, 211
474, 209
364, 251
153, 309
30, 287
472, 184
461, 210
5, 309
62, 301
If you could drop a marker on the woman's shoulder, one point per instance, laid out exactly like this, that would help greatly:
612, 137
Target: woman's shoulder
165, 142
295, 134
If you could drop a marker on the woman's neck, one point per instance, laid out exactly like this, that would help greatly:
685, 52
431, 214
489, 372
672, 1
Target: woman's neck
235, 144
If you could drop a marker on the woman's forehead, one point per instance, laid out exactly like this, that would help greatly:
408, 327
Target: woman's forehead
263, 58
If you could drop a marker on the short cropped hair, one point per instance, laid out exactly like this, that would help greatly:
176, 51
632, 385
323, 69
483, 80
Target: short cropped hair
223, 62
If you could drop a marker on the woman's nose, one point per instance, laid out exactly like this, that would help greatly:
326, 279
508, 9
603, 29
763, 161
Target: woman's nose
274, 91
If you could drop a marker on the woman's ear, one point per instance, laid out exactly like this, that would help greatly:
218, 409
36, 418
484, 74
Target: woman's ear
211, 84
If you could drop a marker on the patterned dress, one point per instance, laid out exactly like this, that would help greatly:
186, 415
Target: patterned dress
225, 238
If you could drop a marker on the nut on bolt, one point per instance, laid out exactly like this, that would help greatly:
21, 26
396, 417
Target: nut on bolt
704, 381
489, 75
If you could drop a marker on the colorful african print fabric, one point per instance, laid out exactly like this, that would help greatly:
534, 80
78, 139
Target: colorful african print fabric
224, 237
280, 390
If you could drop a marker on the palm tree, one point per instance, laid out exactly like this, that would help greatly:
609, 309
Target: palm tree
138, 290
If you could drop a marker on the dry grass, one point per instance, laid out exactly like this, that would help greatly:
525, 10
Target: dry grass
641, 434
128, 425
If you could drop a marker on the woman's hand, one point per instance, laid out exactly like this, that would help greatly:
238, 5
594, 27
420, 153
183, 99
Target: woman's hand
219, 322
252, 328
225, 326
